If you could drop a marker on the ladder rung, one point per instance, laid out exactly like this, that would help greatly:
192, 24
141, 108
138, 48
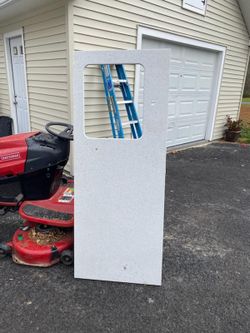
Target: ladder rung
119, 81
130, 122
124, 102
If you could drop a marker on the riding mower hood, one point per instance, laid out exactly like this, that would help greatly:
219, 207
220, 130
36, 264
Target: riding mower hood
31, 181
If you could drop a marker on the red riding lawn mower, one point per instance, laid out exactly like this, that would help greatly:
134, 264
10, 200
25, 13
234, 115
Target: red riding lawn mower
31, 173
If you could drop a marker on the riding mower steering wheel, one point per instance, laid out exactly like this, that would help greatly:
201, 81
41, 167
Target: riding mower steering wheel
66, 134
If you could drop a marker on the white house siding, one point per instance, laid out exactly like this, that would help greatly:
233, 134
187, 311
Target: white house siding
45, 42
113, 24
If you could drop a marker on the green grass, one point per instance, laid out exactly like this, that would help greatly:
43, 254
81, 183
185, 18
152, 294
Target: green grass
246, 99
245, 134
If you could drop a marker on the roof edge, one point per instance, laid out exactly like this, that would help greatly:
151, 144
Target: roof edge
4, 3
245, 11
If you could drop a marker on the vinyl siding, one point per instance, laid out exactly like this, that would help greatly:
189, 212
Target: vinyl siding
45, 40
113, 25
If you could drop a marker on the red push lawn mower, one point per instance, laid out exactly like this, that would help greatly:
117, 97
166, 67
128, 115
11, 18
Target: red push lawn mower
32, 182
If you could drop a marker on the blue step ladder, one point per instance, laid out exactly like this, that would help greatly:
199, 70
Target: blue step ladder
113, 104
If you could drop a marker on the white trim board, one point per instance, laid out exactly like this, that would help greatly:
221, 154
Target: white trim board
7, 37
148, 32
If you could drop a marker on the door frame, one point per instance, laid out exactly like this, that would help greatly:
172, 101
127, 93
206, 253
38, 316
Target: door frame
169, 37
7, 36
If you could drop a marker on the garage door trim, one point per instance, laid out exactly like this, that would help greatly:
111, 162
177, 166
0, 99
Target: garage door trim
148, 32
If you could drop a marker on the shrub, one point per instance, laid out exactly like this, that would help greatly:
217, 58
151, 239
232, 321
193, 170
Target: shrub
233, 125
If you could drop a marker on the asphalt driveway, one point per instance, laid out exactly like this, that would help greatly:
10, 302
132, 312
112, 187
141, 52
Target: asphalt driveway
206, 268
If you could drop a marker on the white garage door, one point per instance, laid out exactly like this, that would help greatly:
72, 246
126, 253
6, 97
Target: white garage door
192, 79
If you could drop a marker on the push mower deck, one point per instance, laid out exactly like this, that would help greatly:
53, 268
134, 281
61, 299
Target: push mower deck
47, 235
41, 248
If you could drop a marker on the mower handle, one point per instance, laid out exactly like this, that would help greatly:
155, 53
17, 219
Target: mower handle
66, 134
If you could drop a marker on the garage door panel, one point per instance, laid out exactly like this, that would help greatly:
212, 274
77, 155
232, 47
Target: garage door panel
186, 109
171, 135
193, 106
183, 134
189, 82
202, 108
190, 120
208, 67
199, 121
172, 110
205, 83
190, 133
176, 63
192, 75
174, 82
199, 57
182, 82
190, 64
197, 132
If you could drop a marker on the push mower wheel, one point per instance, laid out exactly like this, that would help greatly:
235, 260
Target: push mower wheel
4, 250
67, 257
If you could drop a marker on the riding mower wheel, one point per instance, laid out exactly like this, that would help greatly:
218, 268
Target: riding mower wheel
67, 257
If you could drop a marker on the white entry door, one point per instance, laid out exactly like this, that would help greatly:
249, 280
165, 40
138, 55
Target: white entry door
192, 79
20, 100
